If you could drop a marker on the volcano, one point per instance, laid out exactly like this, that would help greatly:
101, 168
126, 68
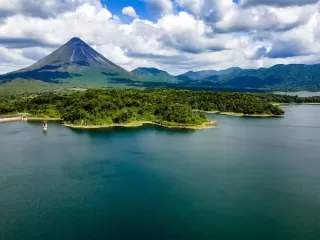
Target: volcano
75, 64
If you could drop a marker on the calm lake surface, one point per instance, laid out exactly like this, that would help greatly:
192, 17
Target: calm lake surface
247, 179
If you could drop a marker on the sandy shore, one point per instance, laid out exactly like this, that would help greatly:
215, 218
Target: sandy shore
43, 119
207, 125
9, 119
209, 112
19, 118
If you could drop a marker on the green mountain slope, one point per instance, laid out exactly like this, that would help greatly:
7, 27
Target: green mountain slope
202, 75
294, 77
197, 75
154, 75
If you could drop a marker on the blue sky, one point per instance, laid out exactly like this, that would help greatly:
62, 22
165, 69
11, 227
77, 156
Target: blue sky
173, 35
115, 6
139, 5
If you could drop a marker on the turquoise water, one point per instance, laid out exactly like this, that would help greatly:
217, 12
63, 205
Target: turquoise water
247, 179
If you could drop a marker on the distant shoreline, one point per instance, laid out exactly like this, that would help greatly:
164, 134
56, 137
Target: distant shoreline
233, 114
251, 115
207, 125
285, 105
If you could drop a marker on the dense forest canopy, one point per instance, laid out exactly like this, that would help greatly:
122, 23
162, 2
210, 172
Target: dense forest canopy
157, 105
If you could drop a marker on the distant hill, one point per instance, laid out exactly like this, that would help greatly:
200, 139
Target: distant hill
154, 75
198, 75
74, 64
292, 77
206, 74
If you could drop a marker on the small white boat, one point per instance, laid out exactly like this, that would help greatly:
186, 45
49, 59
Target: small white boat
45, 126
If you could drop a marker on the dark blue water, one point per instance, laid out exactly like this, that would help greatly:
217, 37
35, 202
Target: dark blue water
247, 179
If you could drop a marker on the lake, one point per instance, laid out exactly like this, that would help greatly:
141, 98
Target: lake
246, 179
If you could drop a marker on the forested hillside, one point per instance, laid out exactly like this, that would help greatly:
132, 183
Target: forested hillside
162, 106
293, 77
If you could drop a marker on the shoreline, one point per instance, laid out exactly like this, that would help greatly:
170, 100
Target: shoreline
43, 119
233, 114
19, 118
10, 119
207, 125
251, 115
286, 104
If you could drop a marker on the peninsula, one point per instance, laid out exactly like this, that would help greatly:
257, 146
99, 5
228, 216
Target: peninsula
97, 108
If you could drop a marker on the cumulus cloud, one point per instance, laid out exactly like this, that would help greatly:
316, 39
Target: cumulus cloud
36, 53
44, 9
200, 34
187, 34
264, 18
129, 11
208, 9
23, 42
160, 7
278, 3
281, 49
228, 16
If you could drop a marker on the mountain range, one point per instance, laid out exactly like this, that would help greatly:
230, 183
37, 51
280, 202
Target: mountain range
76, 64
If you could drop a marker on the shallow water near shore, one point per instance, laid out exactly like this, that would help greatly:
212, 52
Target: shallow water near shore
249, 178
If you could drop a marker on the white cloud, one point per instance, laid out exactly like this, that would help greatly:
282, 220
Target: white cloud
47, 8
264, 18
185, 33
160, 7
210, 9
86, 21
206, 34
130, 11
302, 40
281, 3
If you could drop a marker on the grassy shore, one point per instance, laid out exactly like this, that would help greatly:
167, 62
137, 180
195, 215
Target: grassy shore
207, 125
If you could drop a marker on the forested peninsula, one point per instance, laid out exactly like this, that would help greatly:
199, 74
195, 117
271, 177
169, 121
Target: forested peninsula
165, 107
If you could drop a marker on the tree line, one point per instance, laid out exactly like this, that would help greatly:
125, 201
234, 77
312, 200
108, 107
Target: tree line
101, 106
